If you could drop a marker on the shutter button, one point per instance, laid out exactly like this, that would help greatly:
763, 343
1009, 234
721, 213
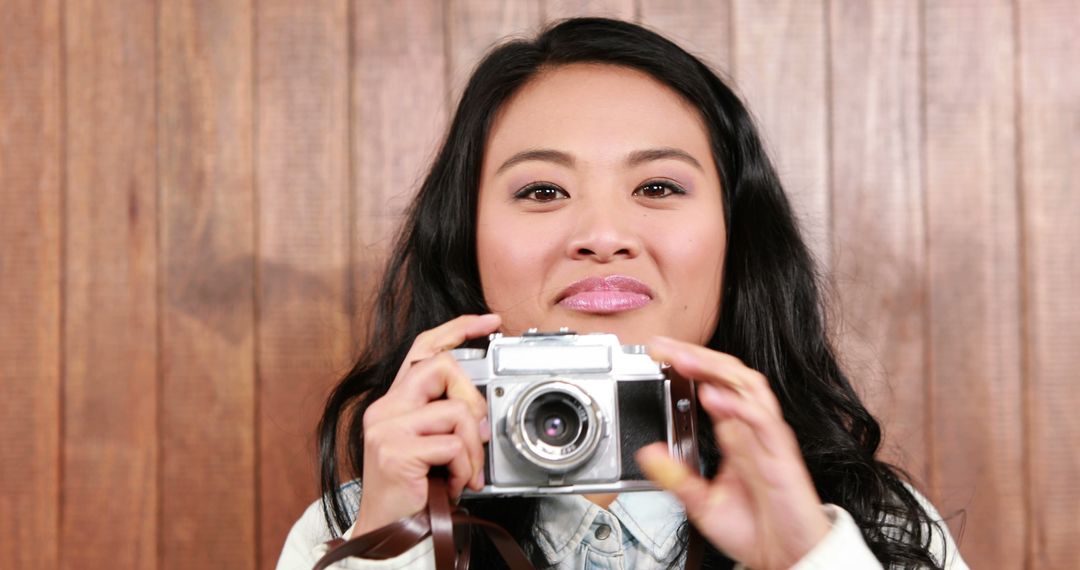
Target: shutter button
602, 532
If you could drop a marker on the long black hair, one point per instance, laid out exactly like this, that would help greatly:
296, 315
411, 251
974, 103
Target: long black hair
771, 315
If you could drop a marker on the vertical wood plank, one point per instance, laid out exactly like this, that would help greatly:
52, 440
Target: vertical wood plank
1050, 197
779, 65
973, 259
399, 114
701, 27
110, 328
560, 9
302, 288
30, 294
207, 257
878, 229
475, 27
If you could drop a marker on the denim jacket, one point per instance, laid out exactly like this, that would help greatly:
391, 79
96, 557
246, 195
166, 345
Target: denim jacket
638, 530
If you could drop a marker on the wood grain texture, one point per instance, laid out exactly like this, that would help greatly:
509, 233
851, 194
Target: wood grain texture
1050, 194
559, 9
472, 28
234, 205
110, 437
30, 291
878, 230
702, 27
207, 414
779, 65
974, 296
302, 289
398, 116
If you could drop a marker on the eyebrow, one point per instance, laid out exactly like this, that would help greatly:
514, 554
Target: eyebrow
545, 155
666, 153
635, 158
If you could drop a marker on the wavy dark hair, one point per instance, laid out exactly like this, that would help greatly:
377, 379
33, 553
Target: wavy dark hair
771, 317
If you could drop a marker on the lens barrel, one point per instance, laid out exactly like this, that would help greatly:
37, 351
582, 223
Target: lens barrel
555, 425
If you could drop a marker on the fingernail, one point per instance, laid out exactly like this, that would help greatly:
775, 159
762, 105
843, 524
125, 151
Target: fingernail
658, 347
479, 479
485, 430
665, 472
660, 340
707, 391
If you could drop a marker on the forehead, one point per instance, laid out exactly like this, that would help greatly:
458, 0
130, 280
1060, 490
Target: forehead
596, 110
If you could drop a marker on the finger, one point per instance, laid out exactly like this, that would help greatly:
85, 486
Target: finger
675, 477
707, 365
432, 378
741, 452
763, 458
449, 416
723, 405
448, 450
450, 335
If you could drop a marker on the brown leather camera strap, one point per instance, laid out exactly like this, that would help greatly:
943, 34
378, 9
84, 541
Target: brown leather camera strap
438, 522
397, 538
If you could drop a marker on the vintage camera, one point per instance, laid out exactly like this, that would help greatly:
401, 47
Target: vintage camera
568, 411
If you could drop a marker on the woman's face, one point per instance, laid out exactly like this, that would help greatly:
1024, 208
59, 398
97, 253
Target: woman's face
600, 209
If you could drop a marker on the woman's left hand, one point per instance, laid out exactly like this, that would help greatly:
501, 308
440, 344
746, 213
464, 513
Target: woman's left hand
761, 509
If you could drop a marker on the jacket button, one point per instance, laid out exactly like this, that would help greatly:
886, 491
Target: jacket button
602, 532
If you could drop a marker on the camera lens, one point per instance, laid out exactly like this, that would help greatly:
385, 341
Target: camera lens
556, 426
557, 422
553, 428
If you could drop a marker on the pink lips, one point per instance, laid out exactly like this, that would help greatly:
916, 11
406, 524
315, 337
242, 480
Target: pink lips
605, 295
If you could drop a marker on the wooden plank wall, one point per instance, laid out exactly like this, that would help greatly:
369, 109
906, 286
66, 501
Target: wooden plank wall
110, 432
196, 195
207, 277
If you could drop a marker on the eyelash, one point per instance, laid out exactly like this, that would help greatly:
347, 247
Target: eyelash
529, 192
666, 185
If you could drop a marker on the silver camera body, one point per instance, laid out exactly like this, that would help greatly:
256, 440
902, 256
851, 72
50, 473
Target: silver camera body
568, 411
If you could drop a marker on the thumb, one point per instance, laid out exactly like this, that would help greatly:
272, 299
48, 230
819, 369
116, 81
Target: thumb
674, 477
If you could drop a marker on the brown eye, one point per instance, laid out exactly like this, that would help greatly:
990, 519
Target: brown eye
541, 193
658, 189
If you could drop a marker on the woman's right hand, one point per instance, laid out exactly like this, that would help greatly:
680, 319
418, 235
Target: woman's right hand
413, 427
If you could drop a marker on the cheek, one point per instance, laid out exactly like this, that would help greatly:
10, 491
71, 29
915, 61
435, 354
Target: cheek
696, 268
512, 265
693, 268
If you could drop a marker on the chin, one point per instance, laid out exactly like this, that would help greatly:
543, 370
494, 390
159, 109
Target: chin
632, 327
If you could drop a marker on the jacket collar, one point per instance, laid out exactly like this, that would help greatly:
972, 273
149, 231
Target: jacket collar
652, 518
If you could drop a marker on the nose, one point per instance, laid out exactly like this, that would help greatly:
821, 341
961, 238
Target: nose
604, 233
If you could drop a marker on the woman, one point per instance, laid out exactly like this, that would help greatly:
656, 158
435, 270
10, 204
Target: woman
601, 178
